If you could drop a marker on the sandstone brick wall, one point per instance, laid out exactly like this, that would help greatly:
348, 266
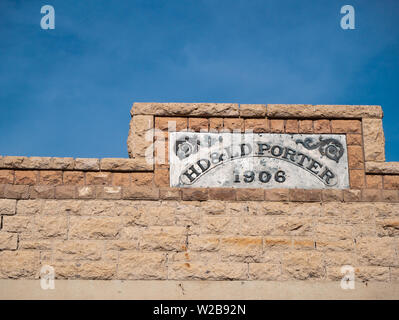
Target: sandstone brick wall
119, 219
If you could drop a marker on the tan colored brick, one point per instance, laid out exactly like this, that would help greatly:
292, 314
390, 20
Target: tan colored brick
164, 238
305, 126
195, 194
377, 251
374, 140
26, 177
85, 270
352, 195
140, 192
373, 181
220, 225
121, 179
29, 207
321, 126
304, 195
171, 123
222, 194
256, 125
303, 265
203, 243
19, 264
42, 192
98, 178
245, 194
291, 126
213, 271
86, 192
354, 139
78, 250
357, 179
87, 228
391, 182
169, 193
276, 195
276, 126
142, 178
109, 193
6, 176
215, 124
346, 126
16, 191
264, 271
7, 207
51, 227
142, 265
243, 249
74, 178
355, 157
8, 241
161, 177
390, 195
48, 177
332, 195
233, 124
198, 124
371, 195
65, 192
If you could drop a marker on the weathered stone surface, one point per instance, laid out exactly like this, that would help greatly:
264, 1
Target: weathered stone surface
28, 207
51, 227
142, 265
8, 241
119, 164
95, 270
252, 110
377, 251
26, 177
78, 250
382, 167
7, 206
322, 111
94, 227
264, 271
19, 264
164, 238
141, 136
186, 109
213, 271
243, 249
303, 265
6, 176
374, 140
87, 164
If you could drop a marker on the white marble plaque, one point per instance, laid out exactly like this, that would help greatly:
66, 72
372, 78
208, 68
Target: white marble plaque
249, 160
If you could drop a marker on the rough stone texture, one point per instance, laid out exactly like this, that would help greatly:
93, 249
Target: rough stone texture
8, 241
87, 164
374, 140
323, 111
382, 167
140, 140
252, 110
184, 109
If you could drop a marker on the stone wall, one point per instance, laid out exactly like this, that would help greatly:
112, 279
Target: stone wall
119, 219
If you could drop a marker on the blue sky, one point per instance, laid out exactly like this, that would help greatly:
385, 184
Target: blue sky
68, 91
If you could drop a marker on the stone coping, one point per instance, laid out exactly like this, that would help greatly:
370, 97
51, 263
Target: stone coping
382, 167
297, 111
84, 164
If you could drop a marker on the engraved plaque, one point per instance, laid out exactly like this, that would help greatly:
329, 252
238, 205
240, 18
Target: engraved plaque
250, 160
